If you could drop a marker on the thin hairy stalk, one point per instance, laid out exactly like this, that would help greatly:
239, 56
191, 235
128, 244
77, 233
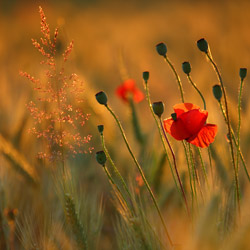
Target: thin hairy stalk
190, 175
229, 129
210, 164
236, 144
160, 133
136, 124
175, 166
196, 88
116, 171
177, 77
194, 174
141, 172
239, 124
203, 167
204, 103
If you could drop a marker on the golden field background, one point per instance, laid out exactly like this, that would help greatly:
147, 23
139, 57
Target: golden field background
110, 37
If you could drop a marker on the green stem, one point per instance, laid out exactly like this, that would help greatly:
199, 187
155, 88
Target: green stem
229, 129
203, 166
141, 172
116, 171
136, 124
176, 170
177, 77
239, 124
196, 88
160, 133
236, 144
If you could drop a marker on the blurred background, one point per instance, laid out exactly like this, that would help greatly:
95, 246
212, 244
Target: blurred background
114, 40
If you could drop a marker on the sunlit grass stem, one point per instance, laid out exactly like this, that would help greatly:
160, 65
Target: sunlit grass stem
175, 166
176, 76
229, 128
160, 132
141, 172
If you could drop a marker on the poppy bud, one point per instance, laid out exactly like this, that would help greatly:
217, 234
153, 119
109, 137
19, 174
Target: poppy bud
158, 108
100, 128
243, 73
161, 48
101, 157
101, 98
174, 116
145, 76
186, 67
202, 45
217, 92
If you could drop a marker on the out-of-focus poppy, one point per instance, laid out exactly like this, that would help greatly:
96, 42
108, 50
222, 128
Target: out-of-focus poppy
128, 89
189, 123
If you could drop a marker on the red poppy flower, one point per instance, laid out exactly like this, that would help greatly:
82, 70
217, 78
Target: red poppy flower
128, 88
189, 123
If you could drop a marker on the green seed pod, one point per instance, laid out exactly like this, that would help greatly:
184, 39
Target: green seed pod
174, 116
100, 128
202, 45
101, 98
217, 92
158, 108
101, 157
243, 73
186, 67
145, 76
161, 48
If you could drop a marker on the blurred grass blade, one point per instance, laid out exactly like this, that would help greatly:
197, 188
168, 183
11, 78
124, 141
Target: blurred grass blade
19, 162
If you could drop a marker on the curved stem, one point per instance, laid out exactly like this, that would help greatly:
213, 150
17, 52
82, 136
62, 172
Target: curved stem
177, 77
176, 170
196, 88
141, 172
239, 124
229, 128
160, 133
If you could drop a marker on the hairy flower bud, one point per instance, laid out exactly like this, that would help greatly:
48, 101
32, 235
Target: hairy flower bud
101, 98
158, 108
186, 67
243, 73
145, 76
174, 116
217, 92
101, 157
202, 45
100, 128
161, 48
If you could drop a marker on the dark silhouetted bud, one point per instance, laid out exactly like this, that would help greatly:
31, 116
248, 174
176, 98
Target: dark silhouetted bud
243, 73
158, 108
101, 98
145, 76
174, 116
217, 92
101, 157
186, 67
100, 128
202, 45
161, 48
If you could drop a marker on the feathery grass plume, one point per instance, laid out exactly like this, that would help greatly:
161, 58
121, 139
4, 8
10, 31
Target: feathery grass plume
57, 111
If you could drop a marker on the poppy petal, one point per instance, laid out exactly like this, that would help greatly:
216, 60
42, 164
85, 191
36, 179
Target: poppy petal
129, 85
137, 95
205, 136
184, 107
193, 120
176, 128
